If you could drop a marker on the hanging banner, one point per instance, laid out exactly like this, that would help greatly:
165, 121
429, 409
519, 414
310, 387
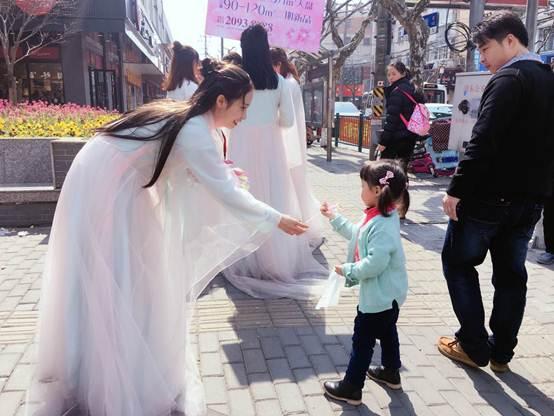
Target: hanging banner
522, 3
291, 24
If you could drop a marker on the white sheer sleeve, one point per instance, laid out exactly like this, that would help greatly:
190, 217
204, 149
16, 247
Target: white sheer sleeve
286, 106
196, 147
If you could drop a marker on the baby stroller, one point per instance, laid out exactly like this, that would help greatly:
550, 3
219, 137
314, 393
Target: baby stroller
421, 161
432, 155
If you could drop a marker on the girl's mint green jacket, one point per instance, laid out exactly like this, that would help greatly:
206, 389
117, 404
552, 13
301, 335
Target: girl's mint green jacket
381, 271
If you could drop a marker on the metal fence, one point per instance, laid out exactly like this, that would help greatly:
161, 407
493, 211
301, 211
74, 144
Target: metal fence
354, 130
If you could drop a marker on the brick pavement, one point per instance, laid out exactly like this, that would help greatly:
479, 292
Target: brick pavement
260, 357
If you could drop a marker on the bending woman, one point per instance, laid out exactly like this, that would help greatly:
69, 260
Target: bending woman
149, 213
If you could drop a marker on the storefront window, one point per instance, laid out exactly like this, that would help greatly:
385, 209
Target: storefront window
103, 89
22, 83
46, 82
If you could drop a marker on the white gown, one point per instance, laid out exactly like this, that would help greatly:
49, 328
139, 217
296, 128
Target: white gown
295, 143
284, 265
184, 92
124, 267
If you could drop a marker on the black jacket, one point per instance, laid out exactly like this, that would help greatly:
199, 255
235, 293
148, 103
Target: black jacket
511, 151
395, 136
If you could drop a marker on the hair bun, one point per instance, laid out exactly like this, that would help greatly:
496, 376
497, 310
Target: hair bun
210, 67
177, 46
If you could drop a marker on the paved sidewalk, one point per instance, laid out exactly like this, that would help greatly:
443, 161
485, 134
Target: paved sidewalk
270, 357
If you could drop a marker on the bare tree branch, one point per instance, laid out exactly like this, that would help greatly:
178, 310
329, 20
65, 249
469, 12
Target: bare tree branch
24, 34
417, 30
419, 8
333, 10
547, 35
326, 32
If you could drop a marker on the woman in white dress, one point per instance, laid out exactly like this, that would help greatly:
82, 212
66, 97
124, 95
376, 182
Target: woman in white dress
147, 216
295, 144
184, 73
284, 266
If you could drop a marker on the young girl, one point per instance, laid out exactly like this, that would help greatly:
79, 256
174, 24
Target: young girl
376, 262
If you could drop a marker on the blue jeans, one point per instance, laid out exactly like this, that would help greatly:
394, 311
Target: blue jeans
504, 228
369, 327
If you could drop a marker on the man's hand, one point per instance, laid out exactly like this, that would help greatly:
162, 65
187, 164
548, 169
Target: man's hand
381, 148
449, 204
338, 270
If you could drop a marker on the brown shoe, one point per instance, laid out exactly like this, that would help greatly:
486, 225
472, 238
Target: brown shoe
450, 347
499, 368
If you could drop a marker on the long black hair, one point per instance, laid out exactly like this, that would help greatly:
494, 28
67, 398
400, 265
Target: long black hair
256, 59
233, 58
182, 66
227, 80
392, 186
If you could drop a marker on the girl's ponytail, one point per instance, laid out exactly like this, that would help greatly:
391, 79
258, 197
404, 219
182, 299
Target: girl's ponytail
386, 200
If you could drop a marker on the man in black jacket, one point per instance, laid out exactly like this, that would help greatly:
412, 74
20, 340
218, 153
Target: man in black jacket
495, 198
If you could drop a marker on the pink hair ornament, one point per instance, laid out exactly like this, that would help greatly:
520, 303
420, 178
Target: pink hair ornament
385, 179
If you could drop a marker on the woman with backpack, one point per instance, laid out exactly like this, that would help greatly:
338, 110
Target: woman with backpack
396, 141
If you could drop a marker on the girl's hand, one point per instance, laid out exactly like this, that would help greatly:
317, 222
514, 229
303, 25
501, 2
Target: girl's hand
291, 226
338, 270
327, 211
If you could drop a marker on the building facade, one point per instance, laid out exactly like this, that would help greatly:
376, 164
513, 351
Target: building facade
116, 60
357, 75
441, 64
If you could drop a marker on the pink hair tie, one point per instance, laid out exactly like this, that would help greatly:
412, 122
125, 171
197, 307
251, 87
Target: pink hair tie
385, 179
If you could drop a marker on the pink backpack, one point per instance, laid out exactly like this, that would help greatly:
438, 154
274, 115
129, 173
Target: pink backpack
419, 120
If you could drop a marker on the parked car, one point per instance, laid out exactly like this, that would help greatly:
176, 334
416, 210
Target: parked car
346, 108
343, 108
439, 110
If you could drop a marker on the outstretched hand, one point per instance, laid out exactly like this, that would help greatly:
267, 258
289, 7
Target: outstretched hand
292, 226
327, 210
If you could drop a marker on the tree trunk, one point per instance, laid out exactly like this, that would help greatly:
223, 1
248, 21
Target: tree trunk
417, 35
12, 84
418, 32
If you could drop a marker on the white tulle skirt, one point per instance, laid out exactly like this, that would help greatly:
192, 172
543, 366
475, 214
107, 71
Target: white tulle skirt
124, 266
284, 265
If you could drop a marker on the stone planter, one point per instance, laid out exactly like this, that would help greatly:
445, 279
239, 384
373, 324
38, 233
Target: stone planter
25, 161
32, 172
63, 153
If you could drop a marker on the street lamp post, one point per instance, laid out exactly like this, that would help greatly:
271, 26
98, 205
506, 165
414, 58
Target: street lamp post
531, 22
330, 108
476, 12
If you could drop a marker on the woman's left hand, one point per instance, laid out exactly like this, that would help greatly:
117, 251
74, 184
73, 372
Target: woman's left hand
292, 226
338, 270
